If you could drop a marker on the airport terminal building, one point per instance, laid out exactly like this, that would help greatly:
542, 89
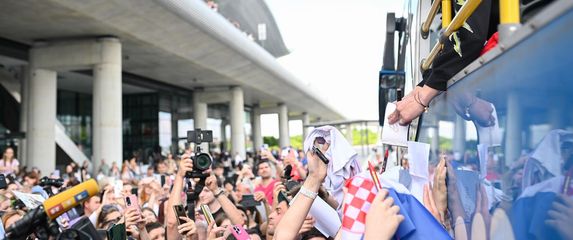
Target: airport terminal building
93, 80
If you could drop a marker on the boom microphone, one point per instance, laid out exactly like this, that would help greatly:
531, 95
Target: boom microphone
51, 209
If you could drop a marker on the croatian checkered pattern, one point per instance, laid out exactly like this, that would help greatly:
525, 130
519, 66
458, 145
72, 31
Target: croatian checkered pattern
360, 194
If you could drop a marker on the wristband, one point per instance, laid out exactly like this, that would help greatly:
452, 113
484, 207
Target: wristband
307, 193
220, 191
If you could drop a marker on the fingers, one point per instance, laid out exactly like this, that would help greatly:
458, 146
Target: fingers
388, 202
381, 195
393, 117
556, 206
394, 209
400, 218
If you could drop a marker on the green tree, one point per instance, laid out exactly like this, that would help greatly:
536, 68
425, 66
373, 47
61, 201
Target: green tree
296, 141
357, 139
271, 141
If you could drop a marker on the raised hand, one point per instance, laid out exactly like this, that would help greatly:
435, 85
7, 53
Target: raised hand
186, 165
383, 211
188, 228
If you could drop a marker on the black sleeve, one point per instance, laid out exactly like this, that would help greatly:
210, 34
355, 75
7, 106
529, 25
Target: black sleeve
463, 47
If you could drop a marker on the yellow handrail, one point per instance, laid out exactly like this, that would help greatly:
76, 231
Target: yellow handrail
509, 11
446, 13
430, 18
465, 12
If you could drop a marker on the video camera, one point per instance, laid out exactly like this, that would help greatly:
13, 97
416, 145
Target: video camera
201, 161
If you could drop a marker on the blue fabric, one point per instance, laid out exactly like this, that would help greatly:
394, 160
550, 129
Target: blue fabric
418, 221
528, 217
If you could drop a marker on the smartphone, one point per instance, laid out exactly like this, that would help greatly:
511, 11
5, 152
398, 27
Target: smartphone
162, 180
237, 233
207, 213
117, 188
180, 212
134, 191
131, 202
320, 155
117, 232
249, 201
3, 184
284, 153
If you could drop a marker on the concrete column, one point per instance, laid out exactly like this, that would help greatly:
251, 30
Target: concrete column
224, 123
200, 117
174, 126
107, 105
41, 122
513, 129
256, 126
237, 118
284, 138
305, 121
24, 94
459, 135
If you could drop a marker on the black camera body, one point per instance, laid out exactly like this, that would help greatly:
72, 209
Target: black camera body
46, 181
201, 161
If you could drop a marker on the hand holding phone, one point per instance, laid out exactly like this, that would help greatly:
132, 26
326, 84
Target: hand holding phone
180, 212
318, 153
208, 215
131, 202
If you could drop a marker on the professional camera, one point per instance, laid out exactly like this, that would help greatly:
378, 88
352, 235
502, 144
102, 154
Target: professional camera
201, 161
46, 181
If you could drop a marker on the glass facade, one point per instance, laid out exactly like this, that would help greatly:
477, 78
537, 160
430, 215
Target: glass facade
74, 111
140, 124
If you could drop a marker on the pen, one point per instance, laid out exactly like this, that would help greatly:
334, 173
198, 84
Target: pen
320, 155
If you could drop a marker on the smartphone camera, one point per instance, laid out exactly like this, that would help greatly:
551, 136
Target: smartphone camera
128, 201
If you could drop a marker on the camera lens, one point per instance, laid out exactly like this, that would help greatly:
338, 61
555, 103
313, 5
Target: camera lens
202, 162
128, 201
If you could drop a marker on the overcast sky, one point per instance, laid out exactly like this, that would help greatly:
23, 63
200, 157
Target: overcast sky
336, 46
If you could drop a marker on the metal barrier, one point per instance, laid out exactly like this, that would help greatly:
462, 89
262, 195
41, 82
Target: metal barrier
465, 12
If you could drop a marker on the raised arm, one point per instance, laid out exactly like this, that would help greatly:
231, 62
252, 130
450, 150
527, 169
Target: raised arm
293, 219
171, 223
228, 207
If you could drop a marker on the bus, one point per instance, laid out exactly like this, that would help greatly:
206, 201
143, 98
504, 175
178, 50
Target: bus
505, 124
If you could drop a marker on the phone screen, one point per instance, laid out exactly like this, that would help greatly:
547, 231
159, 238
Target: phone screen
249, 201
180, 212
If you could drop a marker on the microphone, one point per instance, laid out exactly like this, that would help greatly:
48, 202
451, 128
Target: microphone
52, 208
66, 200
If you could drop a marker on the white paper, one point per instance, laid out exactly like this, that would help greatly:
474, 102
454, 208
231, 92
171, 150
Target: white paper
394, 134
30, 200
490, 135
327, 220
418, 156
483, 155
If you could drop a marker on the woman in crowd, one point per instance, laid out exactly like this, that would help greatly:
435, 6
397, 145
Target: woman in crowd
9, 164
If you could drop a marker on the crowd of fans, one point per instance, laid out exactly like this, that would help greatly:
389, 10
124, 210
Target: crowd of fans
253, 196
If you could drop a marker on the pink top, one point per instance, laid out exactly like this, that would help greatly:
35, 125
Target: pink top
268, 190
10, 169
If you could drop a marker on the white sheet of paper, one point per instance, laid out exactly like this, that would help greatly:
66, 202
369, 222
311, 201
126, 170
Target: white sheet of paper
29, 199
327, 220
394, 134
482, 152
418, 156
490, 135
